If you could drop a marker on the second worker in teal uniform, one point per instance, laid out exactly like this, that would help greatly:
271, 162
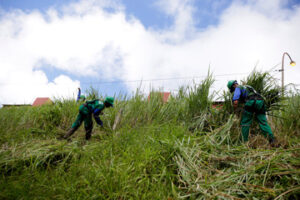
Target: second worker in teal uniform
254, 108
86, 111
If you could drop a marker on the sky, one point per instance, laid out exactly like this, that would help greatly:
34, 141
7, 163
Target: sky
50, 48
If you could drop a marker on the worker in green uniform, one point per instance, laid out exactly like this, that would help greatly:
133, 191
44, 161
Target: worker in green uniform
86, 110
254, 108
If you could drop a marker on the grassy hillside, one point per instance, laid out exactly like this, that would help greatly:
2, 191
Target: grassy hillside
183, 149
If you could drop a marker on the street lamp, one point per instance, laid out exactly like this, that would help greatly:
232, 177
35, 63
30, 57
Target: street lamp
292, 63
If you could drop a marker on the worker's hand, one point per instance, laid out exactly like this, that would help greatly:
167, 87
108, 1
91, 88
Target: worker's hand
235, 103
237, 108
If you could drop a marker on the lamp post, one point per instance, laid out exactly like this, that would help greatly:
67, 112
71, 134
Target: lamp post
292, 63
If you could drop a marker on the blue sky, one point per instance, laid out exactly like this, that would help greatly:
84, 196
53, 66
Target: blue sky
93, 43
207, 11
28, 5
146, 11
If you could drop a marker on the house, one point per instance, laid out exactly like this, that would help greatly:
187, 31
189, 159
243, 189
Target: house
42, 101
165, 95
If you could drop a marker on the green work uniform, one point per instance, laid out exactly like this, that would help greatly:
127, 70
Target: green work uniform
254, 108
85, 115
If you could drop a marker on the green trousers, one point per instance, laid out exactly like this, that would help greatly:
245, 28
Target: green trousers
255, 109
84, 116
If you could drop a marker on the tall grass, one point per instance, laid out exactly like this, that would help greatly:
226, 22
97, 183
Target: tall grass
182, 149
288, 119
265, 85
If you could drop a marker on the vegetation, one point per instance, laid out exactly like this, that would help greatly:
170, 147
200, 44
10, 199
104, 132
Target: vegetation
265, 85
182, 149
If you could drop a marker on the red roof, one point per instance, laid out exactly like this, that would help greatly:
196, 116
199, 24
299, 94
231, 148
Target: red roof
42, 101
165, 96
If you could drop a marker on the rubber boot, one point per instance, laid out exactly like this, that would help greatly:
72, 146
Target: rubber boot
69, 133
272, 142
88, 134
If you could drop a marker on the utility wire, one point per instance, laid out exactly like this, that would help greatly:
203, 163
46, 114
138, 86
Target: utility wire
160, 79
146, 80
271, 69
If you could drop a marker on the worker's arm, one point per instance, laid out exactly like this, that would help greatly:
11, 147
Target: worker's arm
79, 93
235, 99
237, 94
97, 118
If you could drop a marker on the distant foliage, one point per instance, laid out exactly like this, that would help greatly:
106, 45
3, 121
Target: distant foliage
92, 93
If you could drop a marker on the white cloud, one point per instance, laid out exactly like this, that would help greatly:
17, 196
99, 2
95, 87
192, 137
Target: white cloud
182, 12
85, 39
